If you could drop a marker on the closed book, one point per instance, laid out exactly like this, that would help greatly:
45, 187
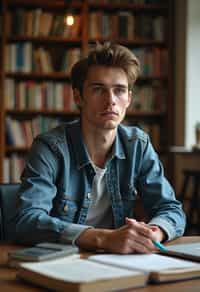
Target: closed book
123, 24
42, 252
189, 251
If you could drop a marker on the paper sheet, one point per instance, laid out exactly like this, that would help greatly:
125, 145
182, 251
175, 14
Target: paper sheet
78, 270
145, 262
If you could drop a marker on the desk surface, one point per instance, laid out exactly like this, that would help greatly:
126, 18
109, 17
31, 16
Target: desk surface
9, 281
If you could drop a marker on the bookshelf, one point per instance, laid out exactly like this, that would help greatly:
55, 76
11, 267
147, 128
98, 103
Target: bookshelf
38, 51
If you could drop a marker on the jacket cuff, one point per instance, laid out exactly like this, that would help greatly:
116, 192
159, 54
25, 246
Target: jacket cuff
165, 225
72, 232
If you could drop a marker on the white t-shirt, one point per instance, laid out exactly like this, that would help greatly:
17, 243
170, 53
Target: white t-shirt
100, 211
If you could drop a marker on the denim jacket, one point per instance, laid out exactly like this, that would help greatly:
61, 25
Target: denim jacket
55, 193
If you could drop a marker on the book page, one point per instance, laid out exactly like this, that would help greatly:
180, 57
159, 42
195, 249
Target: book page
78, 270
144, 262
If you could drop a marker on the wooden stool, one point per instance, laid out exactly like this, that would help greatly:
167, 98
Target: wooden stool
193, 213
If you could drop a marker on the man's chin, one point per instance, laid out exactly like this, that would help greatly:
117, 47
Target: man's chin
111, 125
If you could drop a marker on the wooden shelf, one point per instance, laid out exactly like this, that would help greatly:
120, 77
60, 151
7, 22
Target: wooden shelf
134, 42
46, 112
13, 149
75, 113
64, 76
76, 41
46, 40
133, 7
50, 4
147, 114
38, 76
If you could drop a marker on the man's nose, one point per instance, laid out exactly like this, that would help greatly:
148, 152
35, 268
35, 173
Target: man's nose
110, 96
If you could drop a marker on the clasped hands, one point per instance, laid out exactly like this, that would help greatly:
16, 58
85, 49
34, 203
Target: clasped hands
133, 237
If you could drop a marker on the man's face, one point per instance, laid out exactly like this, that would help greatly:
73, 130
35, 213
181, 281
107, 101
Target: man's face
105, 97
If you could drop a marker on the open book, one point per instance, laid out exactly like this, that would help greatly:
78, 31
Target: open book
80, 275
159, 267
106, 272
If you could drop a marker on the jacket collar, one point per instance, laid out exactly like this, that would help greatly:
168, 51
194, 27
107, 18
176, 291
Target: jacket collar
81, 154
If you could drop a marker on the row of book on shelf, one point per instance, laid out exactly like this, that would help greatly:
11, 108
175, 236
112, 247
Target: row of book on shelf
26, 22
123, 24
31, 95
153, 61
149, 98
126, 25
21, 133
12, 168
24, 57
58, 96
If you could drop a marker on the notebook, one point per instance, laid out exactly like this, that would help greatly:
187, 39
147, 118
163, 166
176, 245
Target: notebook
186, 250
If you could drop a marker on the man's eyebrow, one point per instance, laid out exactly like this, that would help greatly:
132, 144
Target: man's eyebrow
96, 83
103, 84
121, 85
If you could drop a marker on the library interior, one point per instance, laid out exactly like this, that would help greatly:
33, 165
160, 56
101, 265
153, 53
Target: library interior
41, 40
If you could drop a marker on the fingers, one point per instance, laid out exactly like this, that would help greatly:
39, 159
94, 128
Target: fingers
143, 236
140, 227
126, 242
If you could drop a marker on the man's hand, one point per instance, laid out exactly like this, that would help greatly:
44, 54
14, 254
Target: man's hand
159, 234
134, 237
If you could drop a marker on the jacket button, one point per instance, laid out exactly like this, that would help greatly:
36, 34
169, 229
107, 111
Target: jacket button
89, 195
65, 208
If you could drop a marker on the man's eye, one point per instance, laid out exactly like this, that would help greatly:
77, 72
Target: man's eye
97, 89
120, 91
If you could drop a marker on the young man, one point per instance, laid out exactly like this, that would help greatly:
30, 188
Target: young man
82, 178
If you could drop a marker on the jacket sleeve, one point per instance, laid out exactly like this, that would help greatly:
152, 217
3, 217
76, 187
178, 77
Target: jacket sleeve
38, 188
158, 195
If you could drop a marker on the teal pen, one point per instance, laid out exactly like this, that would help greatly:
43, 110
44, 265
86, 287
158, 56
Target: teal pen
159, 245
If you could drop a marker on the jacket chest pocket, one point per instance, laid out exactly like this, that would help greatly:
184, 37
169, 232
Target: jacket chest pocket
67, 209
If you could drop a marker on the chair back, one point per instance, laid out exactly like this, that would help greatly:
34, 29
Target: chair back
8, 205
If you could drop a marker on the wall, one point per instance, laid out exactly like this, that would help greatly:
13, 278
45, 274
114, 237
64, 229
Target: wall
192, 70
187, 85
180, 56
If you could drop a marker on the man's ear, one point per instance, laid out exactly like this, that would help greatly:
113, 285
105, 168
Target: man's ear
130, 96
77, 97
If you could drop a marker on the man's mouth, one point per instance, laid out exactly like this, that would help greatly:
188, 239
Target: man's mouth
109, 113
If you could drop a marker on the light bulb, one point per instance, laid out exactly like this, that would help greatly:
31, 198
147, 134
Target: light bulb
69, 20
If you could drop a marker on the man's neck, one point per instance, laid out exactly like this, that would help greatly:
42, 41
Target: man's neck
99, 144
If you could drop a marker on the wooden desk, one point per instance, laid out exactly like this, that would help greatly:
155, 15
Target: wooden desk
10, 283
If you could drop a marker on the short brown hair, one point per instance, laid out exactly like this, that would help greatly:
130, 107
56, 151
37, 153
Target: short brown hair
107, 54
